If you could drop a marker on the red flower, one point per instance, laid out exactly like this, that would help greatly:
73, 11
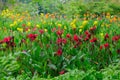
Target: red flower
7, 39
93, 28
59, 52
106, 36
41, 31
26, 29
32, 37
106, 45
76, 38
64, 41
88, 35
115, 38
87, 38
61, 72
101, 47
59, 40
87, 32
59, 32
68, 36
93, 40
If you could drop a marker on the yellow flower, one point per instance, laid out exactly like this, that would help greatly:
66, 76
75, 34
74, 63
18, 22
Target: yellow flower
81, 27
29, 24
65, 27
73, 26
15, 23
37, 26
20, 29
45, 30
85, 23
101, 34
59, 25
95, 23
74, 21
41, 14
11, 25
80, 30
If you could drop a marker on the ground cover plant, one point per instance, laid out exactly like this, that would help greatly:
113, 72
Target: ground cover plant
58, 47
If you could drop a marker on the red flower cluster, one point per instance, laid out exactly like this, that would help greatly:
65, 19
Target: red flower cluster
7, 39
106, 45
75, 38
93, 28
32, 37
41, 31
62, 72
93, 40
59, 52
61, 40
106, 36
101, 47
115, 38
59, 32
88, 35
68, 36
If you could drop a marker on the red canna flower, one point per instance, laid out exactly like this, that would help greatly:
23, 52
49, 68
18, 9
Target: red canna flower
115, 38
93, 40
59, 32
41, 31
59, 52
76, 38
106, 45
62, 72
101, 47
106, 36
68, 36
7, 39
93, 28
86, 39
64, 41
87, 32
32, 37
59, 40
88, 35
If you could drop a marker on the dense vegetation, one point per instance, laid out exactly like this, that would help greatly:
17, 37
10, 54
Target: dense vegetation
72, 40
